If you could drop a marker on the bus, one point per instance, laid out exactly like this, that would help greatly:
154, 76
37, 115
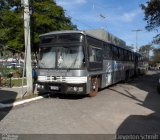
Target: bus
78, 62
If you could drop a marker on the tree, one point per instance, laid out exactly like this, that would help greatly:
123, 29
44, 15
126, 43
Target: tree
145, 51
46, 17
156, 56
152, 16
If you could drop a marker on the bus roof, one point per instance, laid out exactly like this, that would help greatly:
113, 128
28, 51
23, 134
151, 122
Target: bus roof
99, 34
61, 32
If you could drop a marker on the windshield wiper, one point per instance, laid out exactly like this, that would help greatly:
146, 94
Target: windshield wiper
73, 62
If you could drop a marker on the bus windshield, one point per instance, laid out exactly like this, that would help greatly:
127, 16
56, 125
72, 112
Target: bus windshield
61, 57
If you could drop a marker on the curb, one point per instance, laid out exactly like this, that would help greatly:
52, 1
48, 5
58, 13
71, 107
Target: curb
20, 86
21, 102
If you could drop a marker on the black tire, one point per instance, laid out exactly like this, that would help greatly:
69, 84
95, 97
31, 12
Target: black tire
94, 87
158, 88
127, 76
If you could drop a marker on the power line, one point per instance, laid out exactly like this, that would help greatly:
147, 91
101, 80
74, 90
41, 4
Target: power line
83, 23
80, 21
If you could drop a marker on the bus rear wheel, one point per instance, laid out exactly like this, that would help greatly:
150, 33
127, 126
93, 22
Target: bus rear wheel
94, 87
126, 76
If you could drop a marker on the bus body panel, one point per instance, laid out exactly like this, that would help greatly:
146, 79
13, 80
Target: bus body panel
99, 59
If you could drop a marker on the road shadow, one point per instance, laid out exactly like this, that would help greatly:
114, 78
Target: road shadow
6, 97
143, 124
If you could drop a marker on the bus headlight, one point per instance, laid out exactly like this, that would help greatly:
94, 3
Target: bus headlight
80, 89
40, 86
75, 89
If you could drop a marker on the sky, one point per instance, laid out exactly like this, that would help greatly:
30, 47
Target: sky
119, 17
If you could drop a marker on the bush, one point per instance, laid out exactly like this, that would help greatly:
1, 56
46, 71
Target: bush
4, 71
16, 72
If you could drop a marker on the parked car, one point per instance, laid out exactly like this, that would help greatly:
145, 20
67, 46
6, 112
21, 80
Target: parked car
14, 65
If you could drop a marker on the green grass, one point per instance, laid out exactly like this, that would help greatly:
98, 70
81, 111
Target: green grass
16, 82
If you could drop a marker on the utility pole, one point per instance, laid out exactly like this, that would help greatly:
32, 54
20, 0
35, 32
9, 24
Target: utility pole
137, 30
28, 46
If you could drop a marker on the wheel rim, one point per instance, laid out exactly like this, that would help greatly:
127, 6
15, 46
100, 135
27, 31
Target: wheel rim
94, 87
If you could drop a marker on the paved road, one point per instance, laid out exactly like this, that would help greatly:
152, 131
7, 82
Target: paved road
123, 108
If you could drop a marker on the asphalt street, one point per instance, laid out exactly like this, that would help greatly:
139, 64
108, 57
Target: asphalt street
132, 107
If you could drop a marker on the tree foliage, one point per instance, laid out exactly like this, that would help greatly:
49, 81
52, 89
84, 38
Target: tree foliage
145, 51
152, 16
156, 56
46, 16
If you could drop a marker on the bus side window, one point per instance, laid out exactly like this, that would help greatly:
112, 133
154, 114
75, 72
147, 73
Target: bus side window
110, 54
92, 56
125, 55
104, 51
95, 54
129, 56
115, 53
118, 56
121, 54
107, 53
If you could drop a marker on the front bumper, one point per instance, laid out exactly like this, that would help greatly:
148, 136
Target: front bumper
65, 88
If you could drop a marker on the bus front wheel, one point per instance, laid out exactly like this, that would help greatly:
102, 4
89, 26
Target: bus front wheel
94, 87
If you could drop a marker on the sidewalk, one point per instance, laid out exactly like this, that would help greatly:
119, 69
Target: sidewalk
11, 94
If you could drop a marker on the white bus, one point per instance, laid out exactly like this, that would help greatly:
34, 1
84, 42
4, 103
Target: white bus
77, 62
